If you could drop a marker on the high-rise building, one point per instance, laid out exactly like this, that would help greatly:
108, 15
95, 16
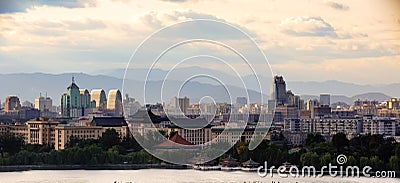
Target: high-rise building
44, 104
325, 99
393, 103
12, 103
99, 96
131, 106
71, 105
241, 101
311, 104
114, 103
180, 103
278, 90
85, 98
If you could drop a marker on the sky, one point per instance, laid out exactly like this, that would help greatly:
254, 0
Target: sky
305, 40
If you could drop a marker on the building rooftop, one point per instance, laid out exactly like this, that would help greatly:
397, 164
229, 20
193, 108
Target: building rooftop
146, 116
174, 141
109, 121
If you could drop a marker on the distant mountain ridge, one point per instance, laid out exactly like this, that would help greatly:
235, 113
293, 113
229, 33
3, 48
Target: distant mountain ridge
350, 100
29, 85
298, 87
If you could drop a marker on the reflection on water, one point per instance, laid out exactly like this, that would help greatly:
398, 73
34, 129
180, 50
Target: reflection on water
161, 175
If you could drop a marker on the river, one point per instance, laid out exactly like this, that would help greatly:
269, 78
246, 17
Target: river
165, 175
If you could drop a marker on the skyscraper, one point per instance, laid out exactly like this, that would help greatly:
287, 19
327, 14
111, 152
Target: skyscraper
43, 104
12, 103
325, 99
241, 101
99, 96
131, 106
114, 103
85, 98
71, 105
278, 90
180, 103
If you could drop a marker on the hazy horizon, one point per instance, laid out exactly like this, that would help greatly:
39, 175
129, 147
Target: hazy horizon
102, 73
349, 41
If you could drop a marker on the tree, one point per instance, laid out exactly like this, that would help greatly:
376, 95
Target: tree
310, 159
340, 141
131, 144
243, 151
326, 159
376, 163
110, 138
10, 143
397, 151
314, 138
394, 163
351, 161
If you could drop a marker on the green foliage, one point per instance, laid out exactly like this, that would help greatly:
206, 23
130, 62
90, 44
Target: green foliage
110, 138
363, 150
340, 141
310, 158
376, 163
326, 159
314, 138
10, 143
364, 161
351, 161
394, 163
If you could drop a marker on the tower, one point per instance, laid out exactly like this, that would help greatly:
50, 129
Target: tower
71, 104
278, 90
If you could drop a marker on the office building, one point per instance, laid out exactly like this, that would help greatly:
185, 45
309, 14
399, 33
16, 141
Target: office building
278, 90
241, 101
182, 104
71, 105
12, 103
85, 98
131, 106
114, 103
378, 125
99, 97
311, 104
45, 131
325, 99
44, 104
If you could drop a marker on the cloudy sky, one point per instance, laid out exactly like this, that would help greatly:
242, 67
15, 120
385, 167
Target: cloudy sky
311, 40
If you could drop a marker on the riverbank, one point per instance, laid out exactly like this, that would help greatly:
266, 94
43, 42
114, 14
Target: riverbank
167, 175
15, 168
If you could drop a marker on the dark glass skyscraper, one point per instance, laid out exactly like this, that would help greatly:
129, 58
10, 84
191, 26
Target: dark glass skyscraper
278, 90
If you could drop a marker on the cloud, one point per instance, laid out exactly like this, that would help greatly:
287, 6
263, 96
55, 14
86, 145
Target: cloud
86, 24
337, 6
307, 26
12, 6
176, 1
343, 69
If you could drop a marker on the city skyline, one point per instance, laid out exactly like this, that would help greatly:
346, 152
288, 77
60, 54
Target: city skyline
97, 89
328, 39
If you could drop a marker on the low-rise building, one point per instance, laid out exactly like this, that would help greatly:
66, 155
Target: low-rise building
51, 132
64, 133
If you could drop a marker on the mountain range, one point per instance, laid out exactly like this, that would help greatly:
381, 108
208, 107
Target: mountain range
29, 85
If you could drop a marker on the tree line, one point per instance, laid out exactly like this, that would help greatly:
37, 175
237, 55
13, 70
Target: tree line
363, 150
109, 149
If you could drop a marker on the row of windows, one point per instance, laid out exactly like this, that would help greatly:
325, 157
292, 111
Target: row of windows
80, 131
